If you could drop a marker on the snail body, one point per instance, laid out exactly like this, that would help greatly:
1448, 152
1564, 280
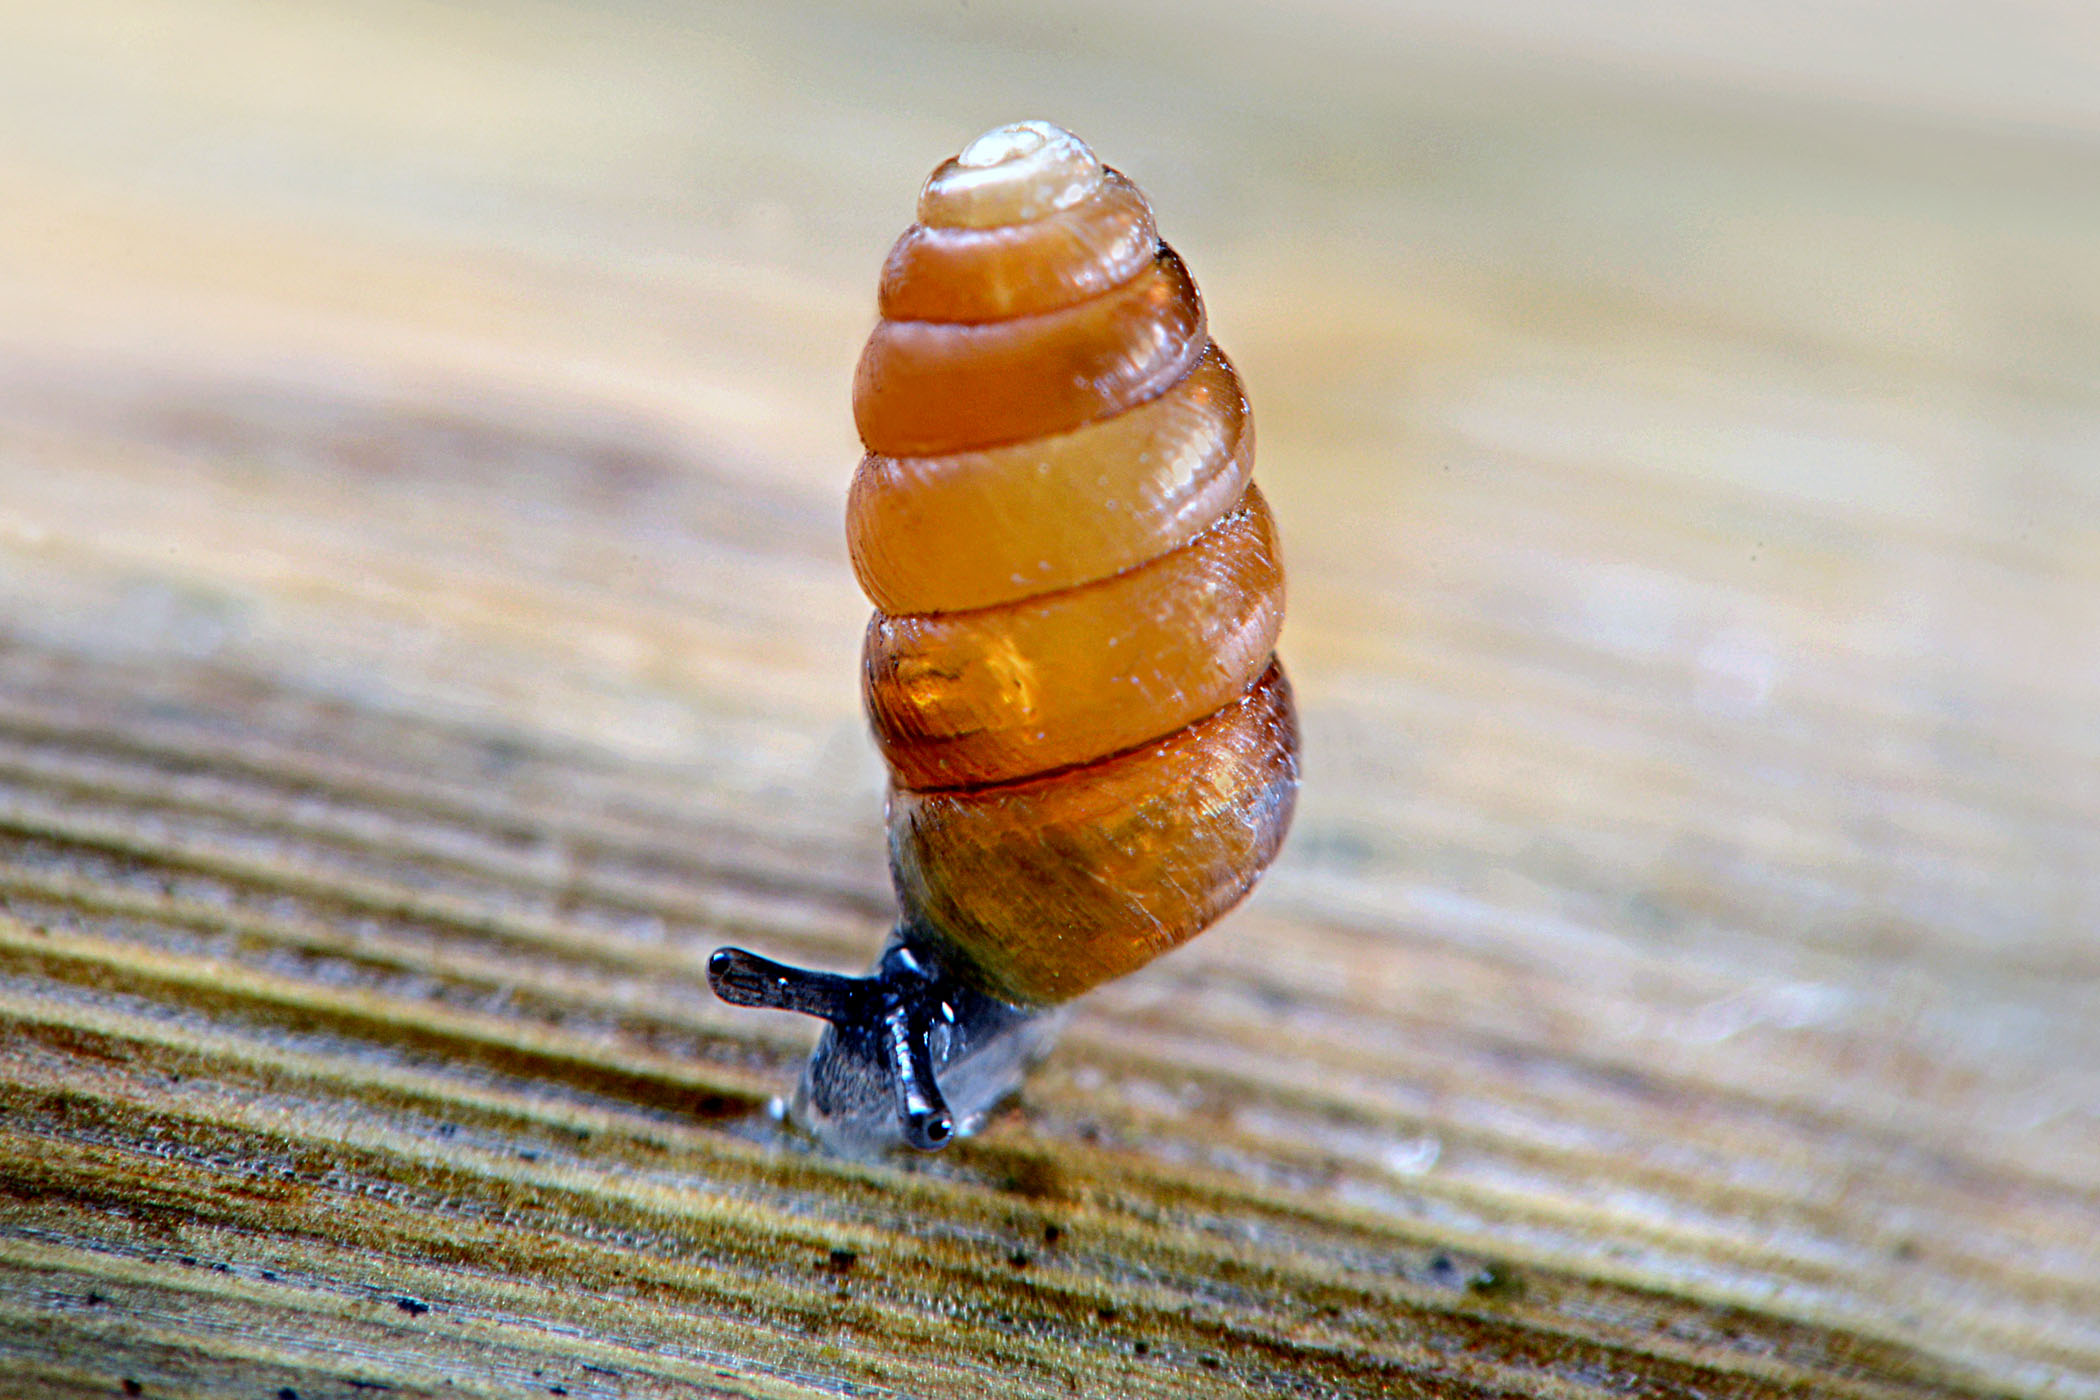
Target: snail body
1071, 668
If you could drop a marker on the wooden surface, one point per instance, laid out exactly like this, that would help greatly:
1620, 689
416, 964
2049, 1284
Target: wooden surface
425, 632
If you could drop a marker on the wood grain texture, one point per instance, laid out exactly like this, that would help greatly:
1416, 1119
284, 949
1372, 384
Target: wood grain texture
426, 632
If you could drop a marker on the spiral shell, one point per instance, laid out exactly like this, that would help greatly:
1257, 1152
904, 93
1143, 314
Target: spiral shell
1071, 668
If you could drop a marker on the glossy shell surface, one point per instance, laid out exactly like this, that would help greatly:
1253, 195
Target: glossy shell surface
1058, 884
1071, 668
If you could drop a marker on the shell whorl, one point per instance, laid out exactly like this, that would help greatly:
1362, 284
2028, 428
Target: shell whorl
1071, 667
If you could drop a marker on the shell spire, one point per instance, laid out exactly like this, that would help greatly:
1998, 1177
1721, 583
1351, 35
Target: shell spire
1071, 668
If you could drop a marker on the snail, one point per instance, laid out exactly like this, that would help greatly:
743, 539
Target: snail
1071, 668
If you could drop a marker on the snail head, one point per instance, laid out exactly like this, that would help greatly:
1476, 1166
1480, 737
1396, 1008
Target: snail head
911, 1054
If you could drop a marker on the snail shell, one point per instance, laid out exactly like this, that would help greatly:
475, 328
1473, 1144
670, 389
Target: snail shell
1071, 668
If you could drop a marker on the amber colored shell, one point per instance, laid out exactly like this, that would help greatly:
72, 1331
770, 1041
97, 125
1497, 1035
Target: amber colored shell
1052, 512
1071, 670
1055, 885
1021, 173
942, 386
987, 696
989, 274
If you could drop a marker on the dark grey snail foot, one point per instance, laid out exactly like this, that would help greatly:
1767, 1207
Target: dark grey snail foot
911, 1055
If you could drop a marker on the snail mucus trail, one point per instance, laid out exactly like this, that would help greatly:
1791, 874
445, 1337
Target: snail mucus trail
1071, 668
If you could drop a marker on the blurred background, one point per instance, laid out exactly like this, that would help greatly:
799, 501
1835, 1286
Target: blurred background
1684, 422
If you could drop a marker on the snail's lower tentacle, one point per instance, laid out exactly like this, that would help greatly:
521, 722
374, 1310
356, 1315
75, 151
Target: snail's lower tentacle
907, 1030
